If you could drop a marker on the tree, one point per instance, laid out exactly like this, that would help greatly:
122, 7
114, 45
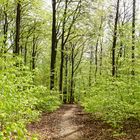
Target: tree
62, 47
115, 40
18, 22
53, 48
5, 28
133, 36
69, 19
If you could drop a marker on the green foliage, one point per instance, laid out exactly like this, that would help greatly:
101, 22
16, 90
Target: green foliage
114, 100
21, 101
47, 101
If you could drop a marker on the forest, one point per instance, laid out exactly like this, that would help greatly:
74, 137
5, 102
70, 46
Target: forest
69, 58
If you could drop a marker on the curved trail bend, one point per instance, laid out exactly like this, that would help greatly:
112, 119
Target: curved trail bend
70, 122
59, 125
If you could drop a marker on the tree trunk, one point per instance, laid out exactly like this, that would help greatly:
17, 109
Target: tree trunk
18, 20
53, 48
115, 40
96, 58
66, 77
72, 77
33, 53
25, 53
62, 49
5, 30
91, 63
133, 36
101, 55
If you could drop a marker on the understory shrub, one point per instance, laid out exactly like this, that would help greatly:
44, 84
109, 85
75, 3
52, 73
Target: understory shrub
114, 100
21, 101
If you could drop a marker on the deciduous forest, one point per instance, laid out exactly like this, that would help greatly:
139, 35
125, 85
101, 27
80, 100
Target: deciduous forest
69, 70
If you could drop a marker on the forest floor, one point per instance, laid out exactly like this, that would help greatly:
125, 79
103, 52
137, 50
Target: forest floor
70, 122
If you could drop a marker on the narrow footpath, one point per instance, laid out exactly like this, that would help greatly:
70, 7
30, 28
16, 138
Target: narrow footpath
70, 122
69, 130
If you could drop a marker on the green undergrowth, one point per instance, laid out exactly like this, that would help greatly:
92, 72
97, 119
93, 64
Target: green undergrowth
21, 102
113, 100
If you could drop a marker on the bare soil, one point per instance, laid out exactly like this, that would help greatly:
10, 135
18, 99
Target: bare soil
70, 122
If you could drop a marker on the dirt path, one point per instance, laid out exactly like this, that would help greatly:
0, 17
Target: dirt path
70, 122
69, 131
59, 125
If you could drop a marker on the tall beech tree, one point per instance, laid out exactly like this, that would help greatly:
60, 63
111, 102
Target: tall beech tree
53, 47
115, 39
133, 36
69, 19
62, 47
5, 28
18, 22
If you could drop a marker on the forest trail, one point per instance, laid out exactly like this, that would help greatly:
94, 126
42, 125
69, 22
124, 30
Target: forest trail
59, 125
70, 122
69, 131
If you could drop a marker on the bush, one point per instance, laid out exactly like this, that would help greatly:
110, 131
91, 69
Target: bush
21, 102
115, 100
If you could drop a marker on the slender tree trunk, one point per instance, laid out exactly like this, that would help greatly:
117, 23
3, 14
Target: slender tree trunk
115, 40
96, 48
120, 54
33, 53
91, 63
66, 76
53, 48
96, 58
62, 49
121, 50
5, 30
18, 20
101, 55
133, 36
25, 53
72, 76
